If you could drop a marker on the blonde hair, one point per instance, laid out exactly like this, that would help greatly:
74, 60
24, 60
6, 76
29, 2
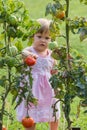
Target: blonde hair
45, 25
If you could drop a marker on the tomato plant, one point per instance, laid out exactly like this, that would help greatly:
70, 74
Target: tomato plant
16, 27
27, 122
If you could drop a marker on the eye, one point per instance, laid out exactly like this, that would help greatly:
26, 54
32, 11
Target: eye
47, 38
39, 37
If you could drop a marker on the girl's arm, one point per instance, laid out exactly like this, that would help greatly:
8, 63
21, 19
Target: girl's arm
27, 52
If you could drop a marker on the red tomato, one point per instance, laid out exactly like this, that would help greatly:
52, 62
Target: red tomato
4, 128
30, 61
27, 122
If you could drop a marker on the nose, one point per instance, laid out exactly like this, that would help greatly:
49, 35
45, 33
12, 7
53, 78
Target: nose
43, 39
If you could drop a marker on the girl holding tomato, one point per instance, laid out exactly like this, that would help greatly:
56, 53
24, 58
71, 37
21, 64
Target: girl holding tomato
41, 73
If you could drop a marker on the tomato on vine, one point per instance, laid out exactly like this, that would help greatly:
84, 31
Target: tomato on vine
12, 20
27, 122
30, 61
53, 45
11, 31
13, 50
4, 128
60, 15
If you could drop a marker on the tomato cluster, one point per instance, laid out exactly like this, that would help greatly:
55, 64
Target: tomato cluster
27, 122
30, 61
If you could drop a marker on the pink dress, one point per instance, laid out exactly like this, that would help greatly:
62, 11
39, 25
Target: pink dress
42, 90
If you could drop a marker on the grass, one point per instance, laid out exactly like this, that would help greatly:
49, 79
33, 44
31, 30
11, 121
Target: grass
37, 9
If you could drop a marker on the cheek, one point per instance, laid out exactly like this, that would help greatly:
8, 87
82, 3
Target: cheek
36, 44
36, 41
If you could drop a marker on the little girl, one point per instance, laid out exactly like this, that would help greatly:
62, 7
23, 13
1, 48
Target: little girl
41, 73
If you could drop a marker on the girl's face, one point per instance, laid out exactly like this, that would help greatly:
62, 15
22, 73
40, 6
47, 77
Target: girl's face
41, 41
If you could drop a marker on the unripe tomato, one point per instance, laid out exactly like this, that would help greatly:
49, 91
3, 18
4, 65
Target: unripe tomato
12, 20
53, 45
10, 61
60, 15
27, 122
11, 31
4, 128
30, 61
13, 50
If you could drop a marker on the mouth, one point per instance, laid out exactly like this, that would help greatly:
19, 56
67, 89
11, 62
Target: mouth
42, 45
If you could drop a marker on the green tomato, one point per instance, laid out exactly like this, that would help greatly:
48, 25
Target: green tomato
53, 45
12, 20
11, 31
10, 61
13, 50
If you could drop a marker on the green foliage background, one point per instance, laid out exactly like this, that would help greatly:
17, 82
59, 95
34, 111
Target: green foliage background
37, 9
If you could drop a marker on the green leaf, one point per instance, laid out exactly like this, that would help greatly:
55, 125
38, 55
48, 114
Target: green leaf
48, 9
19, 45
1, 45
1, 37
1, 82
83, 33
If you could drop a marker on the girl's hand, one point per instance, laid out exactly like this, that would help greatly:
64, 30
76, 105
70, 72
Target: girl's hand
26, 53
33, 55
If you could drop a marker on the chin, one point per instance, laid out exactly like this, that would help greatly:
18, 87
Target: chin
43, 48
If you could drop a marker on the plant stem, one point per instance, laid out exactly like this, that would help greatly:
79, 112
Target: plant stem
67, 35
4, 99
5, 36
3, 107
67, 100
29, 90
